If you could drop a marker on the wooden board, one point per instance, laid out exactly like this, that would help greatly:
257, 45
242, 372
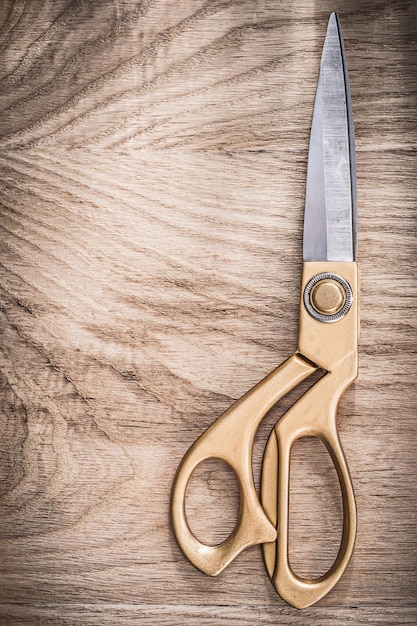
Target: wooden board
153, 164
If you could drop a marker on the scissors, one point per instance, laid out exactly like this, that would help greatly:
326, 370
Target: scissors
328, 336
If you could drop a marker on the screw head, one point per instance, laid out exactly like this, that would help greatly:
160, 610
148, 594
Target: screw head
328, 297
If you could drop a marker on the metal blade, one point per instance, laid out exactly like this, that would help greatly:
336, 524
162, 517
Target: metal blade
330, 207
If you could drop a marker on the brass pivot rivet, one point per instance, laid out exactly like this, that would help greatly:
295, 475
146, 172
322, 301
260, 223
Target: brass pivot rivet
328, 297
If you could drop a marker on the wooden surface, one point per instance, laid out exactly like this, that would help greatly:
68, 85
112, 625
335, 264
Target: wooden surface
153, 164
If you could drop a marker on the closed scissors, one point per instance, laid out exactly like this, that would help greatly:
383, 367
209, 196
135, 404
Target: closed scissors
328, 336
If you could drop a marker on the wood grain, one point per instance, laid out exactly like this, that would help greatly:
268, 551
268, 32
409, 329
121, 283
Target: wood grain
153, 163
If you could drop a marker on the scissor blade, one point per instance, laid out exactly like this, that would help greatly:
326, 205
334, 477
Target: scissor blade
330, 207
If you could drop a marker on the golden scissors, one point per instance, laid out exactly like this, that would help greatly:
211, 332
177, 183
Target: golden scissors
328, 336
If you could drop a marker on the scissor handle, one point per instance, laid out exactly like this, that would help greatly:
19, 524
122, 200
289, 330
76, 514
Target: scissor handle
231, 438
313, 415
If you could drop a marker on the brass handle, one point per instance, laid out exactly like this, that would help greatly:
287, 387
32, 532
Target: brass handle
313, 415
230, 438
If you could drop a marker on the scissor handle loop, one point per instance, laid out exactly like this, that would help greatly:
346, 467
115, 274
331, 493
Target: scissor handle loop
313, 415
231, 438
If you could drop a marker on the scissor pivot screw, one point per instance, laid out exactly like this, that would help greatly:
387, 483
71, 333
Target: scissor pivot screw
328, 297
